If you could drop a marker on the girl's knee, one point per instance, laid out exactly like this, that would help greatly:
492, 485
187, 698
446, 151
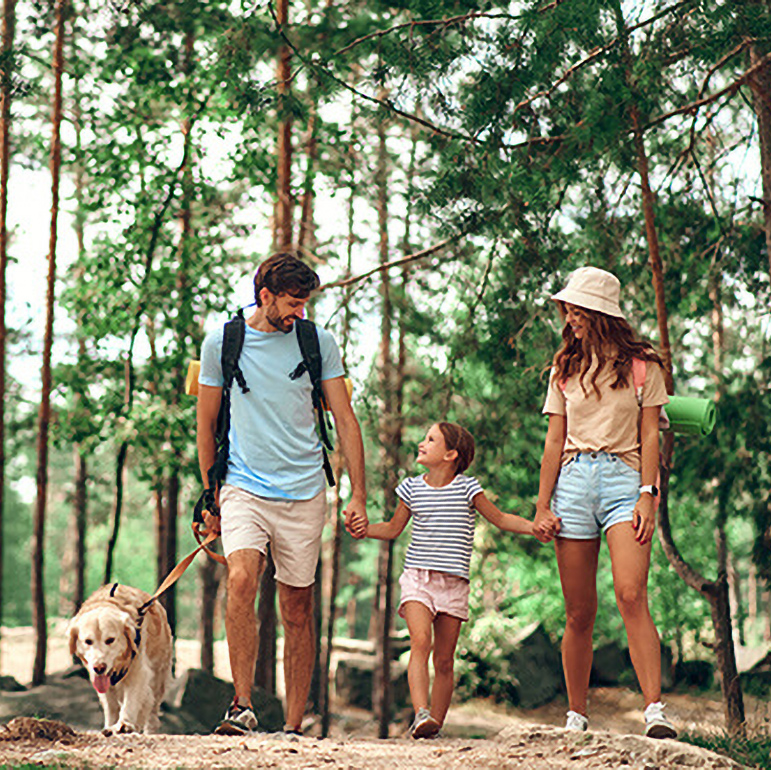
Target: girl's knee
420, 645
444, 665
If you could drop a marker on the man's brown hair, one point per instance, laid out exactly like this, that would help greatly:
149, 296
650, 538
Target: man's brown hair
284, 273
459, 439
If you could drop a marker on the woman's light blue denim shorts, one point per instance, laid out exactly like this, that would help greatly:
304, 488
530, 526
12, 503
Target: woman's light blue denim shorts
594, 491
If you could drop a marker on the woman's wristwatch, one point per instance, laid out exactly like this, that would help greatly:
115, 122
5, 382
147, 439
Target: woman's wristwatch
651, 489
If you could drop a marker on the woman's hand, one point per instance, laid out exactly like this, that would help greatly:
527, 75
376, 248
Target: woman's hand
546, 525
644, 518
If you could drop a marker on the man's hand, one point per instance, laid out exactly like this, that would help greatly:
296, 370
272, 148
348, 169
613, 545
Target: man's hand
211, 511
356, 520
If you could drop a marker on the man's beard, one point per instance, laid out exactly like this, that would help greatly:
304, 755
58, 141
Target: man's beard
278, 323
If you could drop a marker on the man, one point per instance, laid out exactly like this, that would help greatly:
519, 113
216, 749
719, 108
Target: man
275, 489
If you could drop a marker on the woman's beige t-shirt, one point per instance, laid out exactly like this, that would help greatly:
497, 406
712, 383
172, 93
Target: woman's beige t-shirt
607, 424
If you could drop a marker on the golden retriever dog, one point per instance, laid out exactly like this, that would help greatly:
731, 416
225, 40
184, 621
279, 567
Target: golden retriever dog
127, 654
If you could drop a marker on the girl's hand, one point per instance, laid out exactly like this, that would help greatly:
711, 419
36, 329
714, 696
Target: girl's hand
546, 525
644, 519
358, 526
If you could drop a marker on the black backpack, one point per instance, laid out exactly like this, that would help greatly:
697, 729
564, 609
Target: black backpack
232, 343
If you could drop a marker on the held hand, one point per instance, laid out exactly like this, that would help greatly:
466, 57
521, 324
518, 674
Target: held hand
644, 519
356, 520
212, 523
546, 525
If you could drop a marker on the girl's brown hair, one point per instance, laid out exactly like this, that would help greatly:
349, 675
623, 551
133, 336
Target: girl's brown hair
602, 332
459, 439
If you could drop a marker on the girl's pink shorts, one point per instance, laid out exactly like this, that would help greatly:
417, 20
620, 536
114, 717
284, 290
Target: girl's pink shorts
439, 591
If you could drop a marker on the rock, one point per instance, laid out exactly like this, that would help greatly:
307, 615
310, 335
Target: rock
9, 684
609, 665
353, 681
205, 698
535, 668
31, 729
695, 673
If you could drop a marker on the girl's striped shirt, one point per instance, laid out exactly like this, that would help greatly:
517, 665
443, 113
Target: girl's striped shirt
443, 524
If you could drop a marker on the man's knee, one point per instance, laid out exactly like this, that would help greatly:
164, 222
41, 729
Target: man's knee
242, 583
296, 607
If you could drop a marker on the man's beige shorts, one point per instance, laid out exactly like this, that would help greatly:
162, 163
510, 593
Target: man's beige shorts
292, 527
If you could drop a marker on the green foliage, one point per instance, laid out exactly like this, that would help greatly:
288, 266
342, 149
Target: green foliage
748, 751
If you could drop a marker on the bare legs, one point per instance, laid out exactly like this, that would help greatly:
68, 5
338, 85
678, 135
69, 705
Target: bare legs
244, 571
445, 631
299, 647
577, 561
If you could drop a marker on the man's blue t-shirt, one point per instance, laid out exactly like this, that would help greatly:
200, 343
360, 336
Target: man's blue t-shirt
275, 451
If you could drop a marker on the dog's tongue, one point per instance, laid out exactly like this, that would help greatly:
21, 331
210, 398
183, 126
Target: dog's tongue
101, 683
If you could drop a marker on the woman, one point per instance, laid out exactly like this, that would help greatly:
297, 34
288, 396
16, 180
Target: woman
598, 474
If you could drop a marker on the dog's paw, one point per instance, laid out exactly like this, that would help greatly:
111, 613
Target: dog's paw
125, 727
107, 731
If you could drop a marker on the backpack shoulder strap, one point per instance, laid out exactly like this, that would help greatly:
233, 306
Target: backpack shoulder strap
308, 340
639, 370
232, 343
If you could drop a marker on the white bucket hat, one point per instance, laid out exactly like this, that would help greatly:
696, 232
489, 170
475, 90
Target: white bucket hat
593, 289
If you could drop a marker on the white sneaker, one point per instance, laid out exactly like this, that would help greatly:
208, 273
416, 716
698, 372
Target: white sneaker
656, 723
576, 721
424, 725
238, 720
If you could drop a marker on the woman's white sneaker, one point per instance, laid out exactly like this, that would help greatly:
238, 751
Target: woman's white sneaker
576, 721
656, 723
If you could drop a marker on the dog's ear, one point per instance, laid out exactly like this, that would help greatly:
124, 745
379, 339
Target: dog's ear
73, 638
130, 632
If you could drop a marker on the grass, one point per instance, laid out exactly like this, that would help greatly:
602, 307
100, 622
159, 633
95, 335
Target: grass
748, 750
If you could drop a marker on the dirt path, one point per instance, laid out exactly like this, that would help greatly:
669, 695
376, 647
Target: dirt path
515, 747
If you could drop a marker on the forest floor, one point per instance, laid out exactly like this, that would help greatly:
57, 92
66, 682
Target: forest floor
478, 734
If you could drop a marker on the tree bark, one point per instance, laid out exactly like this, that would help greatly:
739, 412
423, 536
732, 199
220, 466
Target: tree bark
265, 670
38, 530
384, 610
760, 84
284, 144
9, 26
716, 592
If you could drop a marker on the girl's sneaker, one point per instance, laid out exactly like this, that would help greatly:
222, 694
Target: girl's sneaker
656, 723
577, 722
424, 725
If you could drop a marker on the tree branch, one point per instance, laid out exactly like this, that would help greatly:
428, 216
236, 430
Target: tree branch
395, 263
699, 103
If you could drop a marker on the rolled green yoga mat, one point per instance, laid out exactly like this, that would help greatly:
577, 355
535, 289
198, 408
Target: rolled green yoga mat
691, 415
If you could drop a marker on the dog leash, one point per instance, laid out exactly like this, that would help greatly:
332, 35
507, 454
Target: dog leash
179, 570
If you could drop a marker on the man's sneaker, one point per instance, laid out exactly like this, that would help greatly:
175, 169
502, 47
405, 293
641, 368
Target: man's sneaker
424, 725
238, 720
656, 723
576, 721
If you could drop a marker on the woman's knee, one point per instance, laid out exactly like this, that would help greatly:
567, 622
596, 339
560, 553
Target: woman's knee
632, 599
581, 618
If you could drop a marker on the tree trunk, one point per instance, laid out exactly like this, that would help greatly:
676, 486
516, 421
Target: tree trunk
284, 144
210, 578
9, 25
384, 610
169, 597
760, 84
38, 530
716, 592
306, 240
120, 468
265, 670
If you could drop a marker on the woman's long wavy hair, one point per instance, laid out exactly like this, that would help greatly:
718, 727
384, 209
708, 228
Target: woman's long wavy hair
603, 333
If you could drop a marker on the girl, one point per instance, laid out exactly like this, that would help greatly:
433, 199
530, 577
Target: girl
598, 474
435, 582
